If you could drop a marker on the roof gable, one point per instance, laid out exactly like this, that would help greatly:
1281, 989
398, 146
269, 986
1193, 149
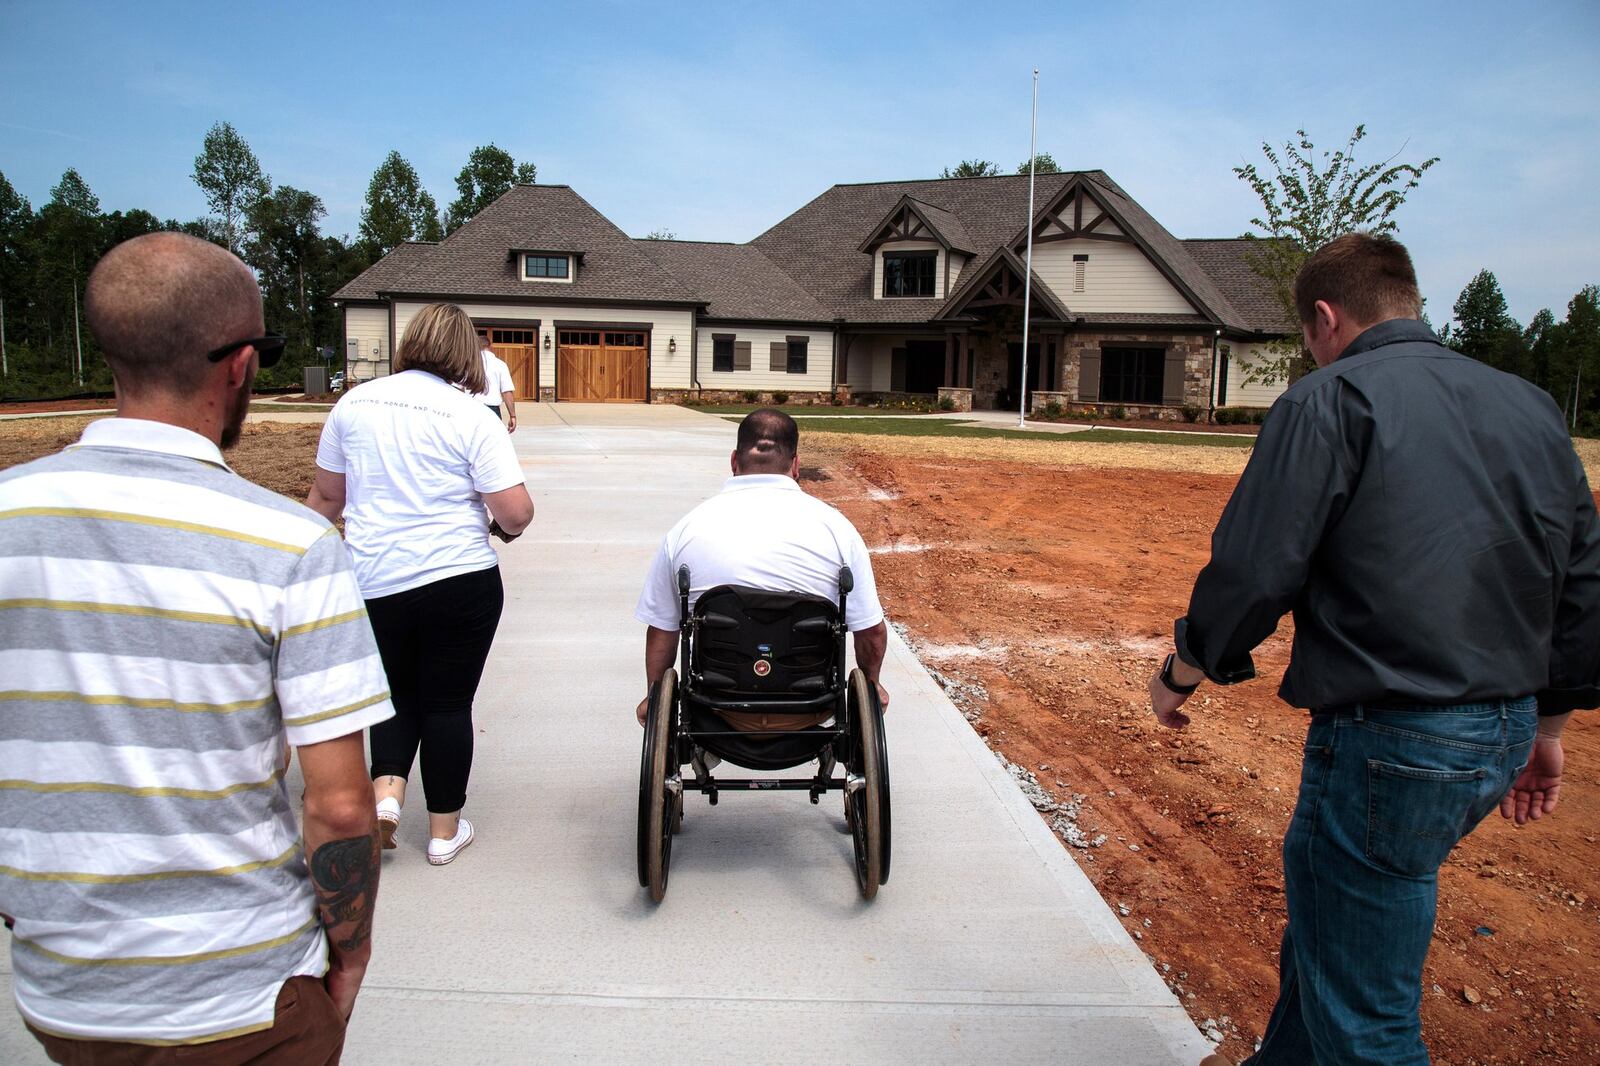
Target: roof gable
996, 283
914, 220
1091, 206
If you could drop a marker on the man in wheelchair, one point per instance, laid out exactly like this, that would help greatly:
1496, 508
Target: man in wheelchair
763, 532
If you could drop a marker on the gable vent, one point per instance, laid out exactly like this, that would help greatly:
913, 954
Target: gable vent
1080, 267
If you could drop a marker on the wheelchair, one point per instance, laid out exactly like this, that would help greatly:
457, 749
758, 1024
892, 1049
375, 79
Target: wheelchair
744, 649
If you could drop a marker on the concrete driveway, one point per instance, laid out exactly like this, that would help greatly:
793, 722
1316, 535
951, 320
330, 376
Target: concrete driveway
537, 945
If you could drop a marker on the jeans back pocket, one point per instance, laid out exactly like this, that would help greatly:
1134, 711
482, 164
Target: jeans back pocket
1415, 816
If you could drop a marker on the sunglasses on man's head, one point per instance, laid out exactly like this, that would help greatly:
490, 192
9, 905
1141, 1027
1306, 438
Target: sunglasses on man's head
269, 348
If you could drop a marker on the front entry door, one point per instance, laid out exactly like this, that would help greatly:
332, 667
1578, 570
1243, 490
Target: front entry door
1012, 395
602, 366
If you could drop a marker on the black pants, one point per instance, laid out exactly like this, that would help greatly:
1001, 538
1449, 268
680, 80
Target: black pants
434, 640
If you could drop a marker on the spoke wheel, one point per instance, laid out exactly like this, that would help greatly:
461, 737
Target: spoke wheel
659, 807
867, 808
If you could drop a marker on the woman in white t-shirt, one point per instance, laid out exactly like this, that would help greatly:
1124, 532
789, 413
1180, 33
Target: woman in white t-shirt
423, 475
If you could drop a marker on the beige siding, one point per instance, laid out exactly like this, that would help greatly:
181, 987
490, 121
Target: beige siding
957, 261
872, 361
1119, 279
668, 370
1240, 358
908, 246
366, 331
819, 361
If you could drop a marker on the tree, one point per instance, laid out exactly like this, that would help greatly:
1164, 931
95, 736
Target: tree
1485, 329
229, 174
398, 208
489, 174
1045, 163
1575, 359
1537, 339
69, 243
16, 219
1306, 202
973, 168
289, 253
662, 234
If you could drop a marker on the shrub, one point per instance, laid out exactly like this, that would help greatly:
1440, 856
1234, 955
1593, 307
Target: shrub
1118, 413
1258, 416
947, 403
1223, 416
1191, 412
836, 400
751, 396
1052, 409
780, 398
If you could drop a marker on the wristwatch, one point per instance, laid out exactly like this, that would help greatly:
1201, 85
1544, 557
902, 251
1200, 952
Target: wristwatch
1173, 686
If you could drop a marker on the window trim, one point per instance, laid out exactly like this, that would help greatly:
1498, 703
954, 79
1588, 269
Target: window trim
929, 255
804, 344
547, 258
722, 338
1159, 352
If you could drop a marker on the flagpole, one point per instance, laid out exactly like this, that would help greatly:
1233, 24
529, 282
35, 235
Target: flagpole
1027, 279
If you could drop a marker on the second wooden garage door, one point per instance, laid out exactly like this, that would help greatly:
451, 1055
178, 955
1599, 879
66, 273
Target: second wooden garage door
602, 366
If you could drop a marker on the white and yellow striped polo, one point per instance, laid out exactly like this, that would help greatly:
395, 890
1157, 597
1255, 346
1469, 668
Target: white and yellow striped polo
165, 628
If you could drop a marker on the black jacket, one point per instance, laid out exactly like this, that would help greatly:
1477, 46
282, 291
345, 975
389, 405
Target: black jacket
1428, 523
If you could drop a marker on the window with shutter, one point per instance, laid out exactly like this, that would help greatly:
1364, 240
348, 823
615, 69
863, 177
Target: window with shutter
796, 354
1132, 375
741, 355
722, 352
777, 357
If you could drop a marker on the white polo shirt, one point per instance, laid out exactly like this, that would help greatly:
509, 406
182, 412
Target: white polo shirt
418, 456
762, 531
497, 380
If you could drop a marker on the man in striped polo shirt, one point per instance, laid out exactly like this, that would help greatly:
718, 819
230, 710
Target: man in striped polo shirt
167, 630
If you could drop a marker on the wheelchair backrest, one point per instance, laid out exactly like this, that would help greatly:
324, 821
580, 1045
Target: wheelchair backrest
770, 644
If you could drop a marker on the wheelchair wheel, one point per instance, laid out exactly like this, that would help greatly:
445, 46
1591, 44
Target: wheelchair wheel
659, 808
867, 808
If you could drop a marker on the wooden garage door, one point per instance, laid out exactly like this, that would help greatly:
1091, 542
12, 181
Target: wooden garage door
602, 366
520, 350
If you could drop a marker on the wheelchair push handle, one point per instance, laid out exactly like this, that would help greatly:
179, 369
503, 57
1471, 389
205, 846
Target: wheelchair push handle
683, 580
847, 580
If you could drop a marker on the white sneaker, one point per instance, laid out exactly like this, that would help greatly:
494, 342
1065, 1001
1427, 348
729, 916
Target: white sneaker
443, 851
388, 821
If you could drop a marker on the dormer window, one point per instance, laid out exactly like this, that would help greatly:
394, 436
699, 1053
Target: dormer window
546, 267
909, 273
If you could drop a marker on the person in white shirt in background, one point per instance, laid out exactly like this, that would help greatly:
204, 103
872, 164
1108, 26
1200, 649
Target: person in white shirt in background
763, 532
498, 387
423, 480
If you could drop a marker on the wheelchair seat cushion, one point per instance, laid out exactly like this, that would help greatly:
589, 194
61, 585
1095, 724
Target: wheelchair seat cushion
765, 645
755, 751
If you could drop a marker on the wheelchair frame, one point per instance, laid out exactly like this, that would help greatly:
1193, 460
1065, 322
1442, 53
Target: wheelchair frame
856, 739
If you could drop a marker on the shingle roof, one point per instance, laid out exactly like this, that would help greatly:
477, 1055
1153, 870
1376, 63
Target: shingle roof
973, 277
736, 281
1227, 261
474, 260
382, 275
817, 244
808, 267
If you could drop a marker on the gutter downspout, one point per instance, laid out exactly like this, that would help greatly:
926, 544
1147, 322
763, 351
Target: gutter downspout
694, 351
1211, 412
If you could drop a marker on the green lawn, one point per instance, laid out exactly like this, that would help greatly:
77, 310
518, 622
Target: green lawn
805, 411
939, 427
269, 406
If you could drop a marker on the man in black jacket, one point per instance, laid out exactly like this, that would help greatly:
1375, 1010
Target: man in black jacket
1427, 522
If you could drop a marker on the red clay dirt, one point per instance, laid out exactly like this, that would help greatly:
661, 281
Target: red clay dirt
1055, 590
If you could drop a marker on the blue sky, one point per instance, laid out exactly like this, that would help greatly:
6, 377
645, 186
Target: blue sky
717, 119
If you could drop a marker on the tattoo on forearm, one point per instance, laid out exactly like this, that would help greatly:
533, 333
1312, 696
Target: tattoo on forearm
345, 873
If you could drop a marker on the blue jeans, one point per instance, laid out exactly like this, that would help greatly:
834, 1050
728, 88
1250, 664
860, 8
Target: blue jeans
1384, 796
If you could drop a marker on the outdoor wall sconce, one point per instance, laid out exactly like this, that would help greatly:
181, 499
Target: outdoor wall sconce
672, 344
547, 342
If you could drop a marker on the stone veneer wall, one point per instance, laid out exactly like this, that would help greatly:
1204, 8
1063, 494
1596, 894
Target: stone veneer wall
1196, 350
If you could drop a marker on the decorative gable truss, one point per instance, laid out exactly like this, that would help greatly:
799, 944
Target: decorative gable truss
913, 220
998, 284
1077, 215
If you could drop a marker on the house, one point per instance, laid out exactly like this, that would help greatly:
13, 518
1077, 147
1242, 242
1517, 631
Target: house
910, 287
